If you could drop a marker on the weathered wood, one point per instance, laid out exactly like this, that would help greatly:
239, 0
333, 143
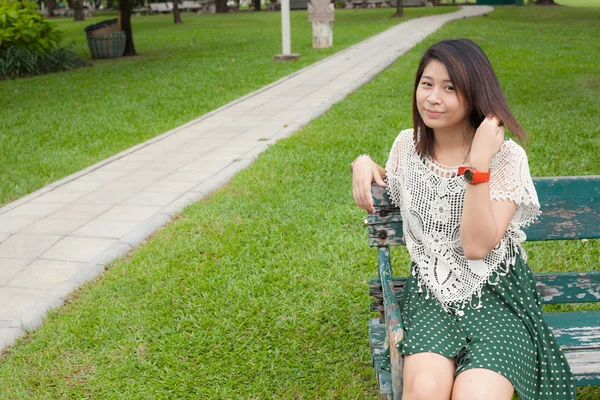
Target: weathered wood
570, 210
393, 321
377, 342
557, 288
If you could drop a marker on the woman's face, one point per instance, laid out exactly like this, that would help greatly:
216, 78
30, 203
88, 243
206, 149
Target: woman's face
438, 102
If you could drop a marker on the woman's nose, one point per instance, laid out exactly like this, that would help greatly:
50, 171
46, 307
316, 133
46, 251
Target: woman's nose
433, 96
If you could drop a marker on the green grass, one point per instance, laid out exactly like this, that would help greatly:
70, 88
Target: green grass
261, 290
578, 3
54, 125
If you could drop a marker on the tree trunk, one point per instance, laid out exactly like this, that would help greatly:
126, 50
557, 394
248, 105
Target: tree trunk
176, 13
222, 6
78, 15
51, 7
125, 19
70, 3
256, 5
110, 4
545, 3
399, 10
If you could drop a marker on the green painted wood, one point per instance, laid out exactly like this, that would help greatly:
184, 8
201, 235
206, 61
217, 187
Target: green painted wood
556, 288
570, 210
377, 341
578, 334
569, 287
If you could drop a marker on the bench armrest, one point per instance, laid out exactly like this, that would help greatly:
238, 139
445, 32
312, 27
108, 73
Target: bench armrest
393, 321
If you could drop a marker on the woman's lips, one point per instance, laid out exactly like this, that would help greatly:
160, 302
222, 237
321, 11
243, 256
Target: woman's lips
433, 113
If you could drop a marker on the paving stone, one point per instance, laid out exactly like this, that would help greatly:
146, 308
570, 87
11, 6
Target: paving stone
105, 229
13, 225
103, 175
106, 197
54, 226
129, 213
57, 197
32, 210
77, 249
9, 267
81, 211
147, 198
44, 274
26, 246
15, 301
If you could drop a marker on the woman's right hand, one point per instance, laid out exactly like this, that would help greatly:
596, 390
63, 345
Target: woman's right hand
364, 172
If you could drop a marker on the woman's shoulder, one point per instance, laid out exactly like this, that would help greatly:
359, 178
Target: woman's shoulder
510, 146
404, 136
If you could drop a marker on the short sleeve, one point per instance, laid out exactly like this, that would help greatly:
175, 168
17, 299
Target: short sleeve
511, 180
395, 165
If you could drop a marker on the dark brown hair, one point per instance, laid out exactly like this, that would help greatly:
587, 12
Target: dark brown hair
474, 79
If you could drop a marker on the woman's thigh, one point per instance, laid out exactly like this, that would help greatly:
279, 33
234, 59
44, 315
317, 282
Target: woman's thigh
481, 384
428, 376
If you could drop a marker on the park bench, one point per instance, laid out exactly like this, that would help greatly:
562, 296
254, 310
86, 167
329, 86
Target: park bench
378, 3
570, 211
160, 7
190, 6
358, 3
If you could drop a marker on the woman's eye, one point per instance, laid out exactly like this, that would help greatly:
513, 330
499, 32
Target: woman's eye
425, 83
449, 87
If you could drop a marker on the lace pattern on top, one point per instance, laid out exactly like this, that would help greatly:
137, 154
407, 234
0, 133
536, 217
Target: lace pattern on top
431, 197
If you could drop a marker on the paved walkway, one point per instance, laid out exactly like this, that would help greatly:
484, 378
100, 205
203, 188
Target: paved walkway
62, 235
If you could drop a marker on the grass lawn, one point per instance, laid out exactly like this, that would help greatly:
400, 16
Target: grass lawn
261, 290
54, 125
578, 3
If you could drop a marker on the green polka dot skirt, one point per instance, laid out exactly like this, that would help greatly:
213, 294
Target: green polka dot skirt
507, 335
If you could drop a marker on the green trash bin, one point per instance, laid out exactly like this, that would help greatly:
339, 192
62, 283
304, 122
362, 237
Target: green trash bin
107, 46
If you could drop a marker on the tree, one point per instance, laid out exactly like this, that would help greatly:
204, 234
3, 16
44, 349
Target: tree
545, 3
256, 5
78, 10
176, 13
399, 10
51, 7
125, 9
222, 6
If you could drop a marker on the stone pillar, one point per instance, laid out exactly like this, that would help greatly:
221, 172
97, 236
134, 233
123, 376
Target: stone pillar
321, 14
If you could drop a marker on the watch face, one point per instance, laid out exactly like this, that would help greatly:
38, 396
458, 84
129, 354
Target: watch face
468, 176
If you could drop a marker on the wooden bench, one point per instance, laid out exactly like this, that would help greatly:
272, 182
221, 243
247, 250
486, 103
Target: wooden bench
378, 3
570, 211
160, 8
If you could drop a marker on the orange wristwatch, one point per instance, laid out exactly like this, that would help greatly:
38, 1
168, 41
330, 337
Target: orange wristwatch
472, 175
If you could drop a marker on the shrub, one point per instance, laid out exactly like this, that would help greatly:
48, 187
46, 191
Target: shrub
23, 27
16, 61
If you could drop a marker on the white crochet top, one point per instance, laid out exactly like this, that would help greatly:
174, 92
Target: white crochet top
431, 197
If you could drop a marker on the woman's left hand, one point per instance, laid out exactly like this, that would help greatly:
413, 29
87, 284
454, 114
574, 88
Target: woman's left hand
487, 142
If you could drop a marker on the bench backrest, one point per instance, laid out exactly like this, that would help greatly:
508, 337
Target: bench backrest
570, 210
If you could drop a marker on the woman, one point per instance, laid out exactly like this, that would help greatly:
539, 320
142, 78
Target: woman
472, 315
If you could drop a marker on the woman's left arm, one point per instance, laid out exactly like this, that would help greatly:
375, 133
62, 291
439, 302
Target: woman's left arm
484, 221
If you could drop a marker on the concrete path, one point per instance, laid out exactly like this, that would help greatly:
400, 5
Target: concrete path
62, 235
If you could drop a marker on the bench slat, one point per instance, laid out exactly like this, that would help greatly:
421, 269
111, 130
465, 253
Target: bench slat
557, 288
570, 210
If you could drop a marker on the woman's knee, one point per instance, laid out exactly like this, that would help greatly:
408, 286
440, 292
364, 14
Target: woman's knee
428, 376
427, 387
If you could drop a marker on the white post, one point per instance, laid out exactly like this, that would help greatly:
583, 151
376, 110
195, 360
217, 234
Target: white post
285, 27
285, 34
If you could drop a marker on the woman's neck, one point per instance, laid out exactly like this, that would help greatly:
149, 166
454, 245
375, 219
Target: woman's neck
451, 147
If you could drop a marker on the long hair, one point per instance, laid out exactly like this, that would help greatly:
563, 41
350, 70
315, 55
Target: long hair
474, 79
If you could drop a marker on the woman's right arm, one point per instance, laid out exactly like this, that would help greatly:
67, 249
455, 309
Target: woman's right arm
364, 172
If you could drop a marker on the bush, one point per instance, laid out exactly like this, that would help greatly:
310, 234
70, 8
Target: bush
16, 61
22, 26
